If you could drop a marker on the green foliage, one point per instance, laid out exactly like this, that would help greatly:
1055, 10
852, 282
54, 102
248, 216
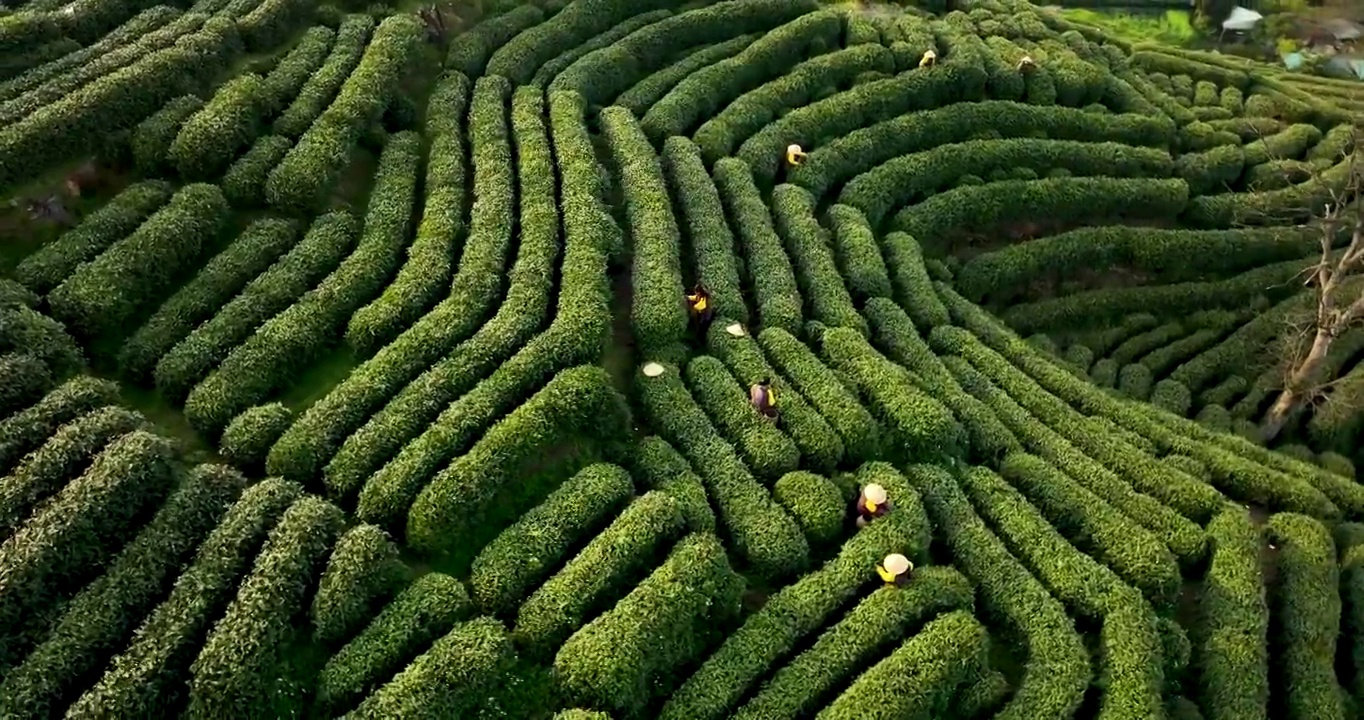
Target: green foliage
209, 140
100, 619
450, 678
308, 172
1308, 610
622, 659
423, 612
428, 266
602, 572
815, 503
221, 278
237, 666
321, 88
874, 625
153, 669
658, 312
762, 533
102, 295
193, 358
524, 554
78, 529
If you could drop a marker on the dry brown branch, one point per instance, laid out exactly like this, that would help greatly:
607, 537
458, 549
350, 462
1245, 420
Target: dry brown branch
1339, 302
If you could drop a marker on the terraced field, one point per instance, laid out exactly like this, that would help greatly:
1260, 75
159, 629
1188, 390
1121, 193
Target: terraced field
362, 380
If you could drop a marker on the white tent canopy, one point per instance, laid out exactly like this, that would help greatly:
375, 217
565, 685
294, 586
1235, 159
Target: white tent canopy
1241, 19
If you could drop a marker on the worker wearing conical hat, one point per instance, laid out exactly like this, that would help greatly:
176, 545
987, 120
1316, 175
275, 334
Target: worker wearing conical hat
872, 503
1026, 64
928, 59
763, 398
795, 155
895, 569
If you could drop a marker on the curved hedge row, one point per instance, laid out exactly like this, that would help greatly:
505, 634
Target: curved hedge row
1171, 255
81, 122
152, 138
859, 257
51, 264
1057, 670
244, 181
449, 678
101, 67
1248, 471
104, 294
308, 172
237, 666
519, 58
610, 72
255, 249
578, 403
704, 92
651, 88
423, 612
879, 620
29, 428
768, 268
896, 335
1131, 667
864, 149
576, 336
767, 451
470, 50
797, 610
920, 426
1232, 656
138, 26
195, 357
859, 431
284, 83
977, 208
153, 669
601, 572
1184, 538
622, 659
362, 574
658, 313
808, 246
912, 178
520, 314
524, 554
551, 69
819, 444
247, 439
427, 268
75, 531
59, 459
99, 619
298, 336
1309, 622
321, 88
762, 533
749, 113
209, 139
711, 242
923, 674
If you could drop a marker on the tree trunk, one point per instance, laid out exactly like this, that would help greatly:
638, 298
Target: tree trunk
1295, 390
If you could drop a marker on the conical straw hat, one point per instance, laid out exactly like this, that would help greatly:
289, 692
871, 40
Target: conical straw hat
875, 493
896, 564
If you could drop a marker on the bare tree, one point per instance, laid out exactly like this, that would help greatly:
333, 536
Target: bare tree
1337, 279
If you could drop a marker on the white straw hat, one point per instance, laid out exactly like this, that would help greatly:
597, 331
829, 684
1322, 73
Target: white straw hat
896, 564
875, 493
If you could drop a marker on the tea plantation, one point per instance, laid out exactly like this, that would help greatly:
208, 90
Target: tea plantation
347, 366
